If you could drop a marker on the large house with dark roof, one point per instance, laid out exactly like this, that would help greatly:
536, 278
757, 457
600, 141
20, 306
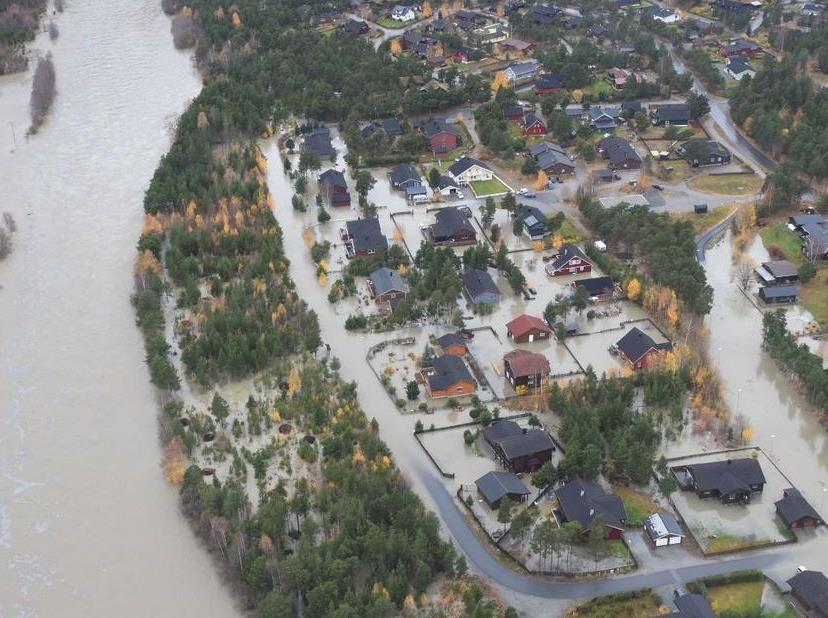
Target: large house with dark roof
570, 260
386, 285
552, 159
582, 501
496, 485
548, 83
700, 152
442, 139
403, 176
363, 237
448, 376
533, 125
525, 369
619, 153
730, 480
519, 450
795, 511
452, 344
452, 226
334, 189
670, 114
319, 142
739, 47
691, 605
638, 348
810, 589
535, 225
599, 288
528, 328
480, 287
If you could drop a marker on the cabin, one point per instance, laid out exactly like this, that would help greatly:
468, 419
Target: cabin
701, 152
319, 142
597, 288
739, 68
619, 153
518, 450
729, 480
535, 224
779, 294
452, 227
448, 187
569, 261
441, 138
810, 589
638, 348
777, 272
528, 328
533, 125
582, 501
496, 485
386, 285
452, 344
467, 170
522, 72
334, 189
403, 176
548, 83
545, 14
448, 376
363, 237
515, 48
795, 511
552, 159
513, 113
469, 20
663, 529
525, 370
739, 47
604, 118
670, 114
480, 287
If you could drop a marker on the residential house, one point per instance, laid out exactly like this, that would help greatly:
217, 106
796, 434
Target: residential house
448, 376
813, 10
795, 511
739, 47
519, 450
778, 272
490, 34
356, 27
701, 152
597, 31
442, 138
552, 159
603, 118
416, 193
403, 13
810, 589
522, 72
582, 501
525, 370
735, 6
570, 260
779, 294
327, 20
448, 187
463, 55
691, 605
513, 113
665, 16
452, 344
548, 83
386, 285
452, 227
528, 328
535, 224
533, 125
739, 67
334, 188
466, 170
319, 142
403, 176
496, 485
619, 153
363, 237
670, 114
545, 14
599, 288
630, 108
638, 348
480, 287
730, 480
469, 20
603, 175
516, 48
663, 529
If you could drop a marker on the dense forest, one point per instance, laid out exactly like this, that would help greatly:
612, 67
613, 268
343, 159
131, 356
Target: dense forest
19, 21
668, 246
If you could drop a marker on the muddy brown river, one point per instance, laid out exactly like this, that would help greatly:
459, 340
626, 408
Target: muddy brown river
88, 525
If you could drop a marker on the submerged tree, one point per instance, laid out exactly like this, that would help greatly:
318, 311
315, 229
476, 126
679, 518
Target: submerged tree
43, 92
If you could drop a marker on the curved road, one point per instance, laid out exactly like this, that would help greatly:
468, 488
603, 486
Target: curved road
708, 237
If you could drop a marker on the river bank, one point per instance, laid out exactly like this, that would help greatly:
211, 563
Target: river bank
88, 526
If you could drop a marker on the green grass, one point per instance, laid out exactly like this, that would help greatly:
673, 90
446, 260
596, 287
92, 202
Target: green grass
702, 223
598, 87
743, 597
727, 184
483, 188
637, 504
568, 231
628, 605
393, 24
728, 542
778, 235
814, 296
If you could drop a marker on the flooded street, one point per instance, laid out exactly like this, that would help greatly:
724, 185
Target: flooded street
88, 525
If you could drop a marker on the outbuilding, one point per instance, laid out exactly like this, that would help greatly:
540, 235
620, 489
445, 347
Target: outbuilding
496, 485
663, 529
528, 328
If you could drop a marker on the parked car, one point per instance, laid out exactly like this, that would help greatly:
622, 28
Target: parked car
658, 187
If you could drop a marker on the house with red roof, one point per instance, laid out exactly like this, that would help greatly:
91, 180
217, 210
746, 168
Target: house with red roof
528, 328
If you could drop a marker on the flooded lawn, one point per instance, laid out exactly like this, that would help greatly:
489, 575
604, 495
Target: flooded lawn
718, 527
593, 348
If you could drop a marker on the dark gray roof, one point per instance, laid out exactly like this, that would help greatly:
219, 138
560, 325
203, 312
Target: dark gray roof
333, 177
433, 127
387, 280
402, 173
727, 475
582, 500
672, 111
800, 220
812, 587
529, 443
549, 158
738, 65
530, 119
567, 252
618, 150
501, 429
779, 291
465, 163
693, 606
479, 282
781, 268
449, 221
532, 217
596, 286
319, 141
448, 371
415, 188
392, 127
635, 344
447, 181
549, 80
793, 506
495, 485
367, 235
450, 339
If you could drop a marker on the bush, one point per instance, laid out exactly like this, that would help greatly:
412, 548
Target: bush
356, 322
807, 272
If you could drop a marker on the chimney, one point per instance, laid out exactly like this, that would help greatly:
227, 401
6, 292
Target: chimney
591, 512
582, 493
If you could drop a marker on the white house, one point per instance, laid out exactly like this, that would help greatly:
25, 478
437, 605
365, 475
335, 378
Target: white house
663, 529
523, 71
403, 13
665, 16
467, 170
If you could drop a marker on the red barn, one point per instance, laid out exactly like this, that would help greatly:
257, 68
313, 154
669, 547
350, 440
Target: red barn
569, 261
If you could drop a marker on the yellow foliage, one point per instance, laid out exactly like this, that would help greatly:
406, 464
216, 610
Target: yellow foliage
202, 122
236, 19
557, 241
294, 381
175, 461
540, 183
671, 362
402, 269
537, 246
427, 10
408, 604
396, 234
378, 590
500, 81
747, 435
324, 266
153, 224
147, 263
633, 289
395, 47
322, 279
577, 95
261, 162
275, 416
386, 461
358, 457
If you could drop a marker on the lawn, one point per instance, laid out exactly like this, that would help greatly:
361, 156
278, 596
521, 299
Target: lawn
778, 235
568, 231
814, 296
597, 88
744, 597
444, 161
702, 223
483, 188
726, 542
727, 184
637, 504
392, 24
629, 605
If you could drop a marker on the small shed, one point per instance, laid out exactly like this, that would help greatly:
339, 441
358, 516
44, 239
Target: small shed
700, 209
775, 294
663, 529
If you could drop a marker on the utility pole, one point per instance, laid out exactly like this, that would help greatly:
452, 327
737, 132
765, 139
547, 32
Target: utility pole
14, 137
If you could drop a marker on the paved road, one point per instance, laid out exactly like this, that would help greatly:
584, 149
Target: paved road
706, 238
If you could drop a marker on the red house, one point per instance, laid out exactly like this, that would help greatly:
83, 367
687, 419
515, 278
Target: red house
528, 328
533, 125
513, 113
462, 55
638, 348
441, 138
569, 261
739, 47
334, 188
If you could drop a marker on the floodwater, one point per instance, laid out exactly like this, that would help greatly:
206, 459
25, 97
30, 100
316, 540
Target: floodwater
88, 525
